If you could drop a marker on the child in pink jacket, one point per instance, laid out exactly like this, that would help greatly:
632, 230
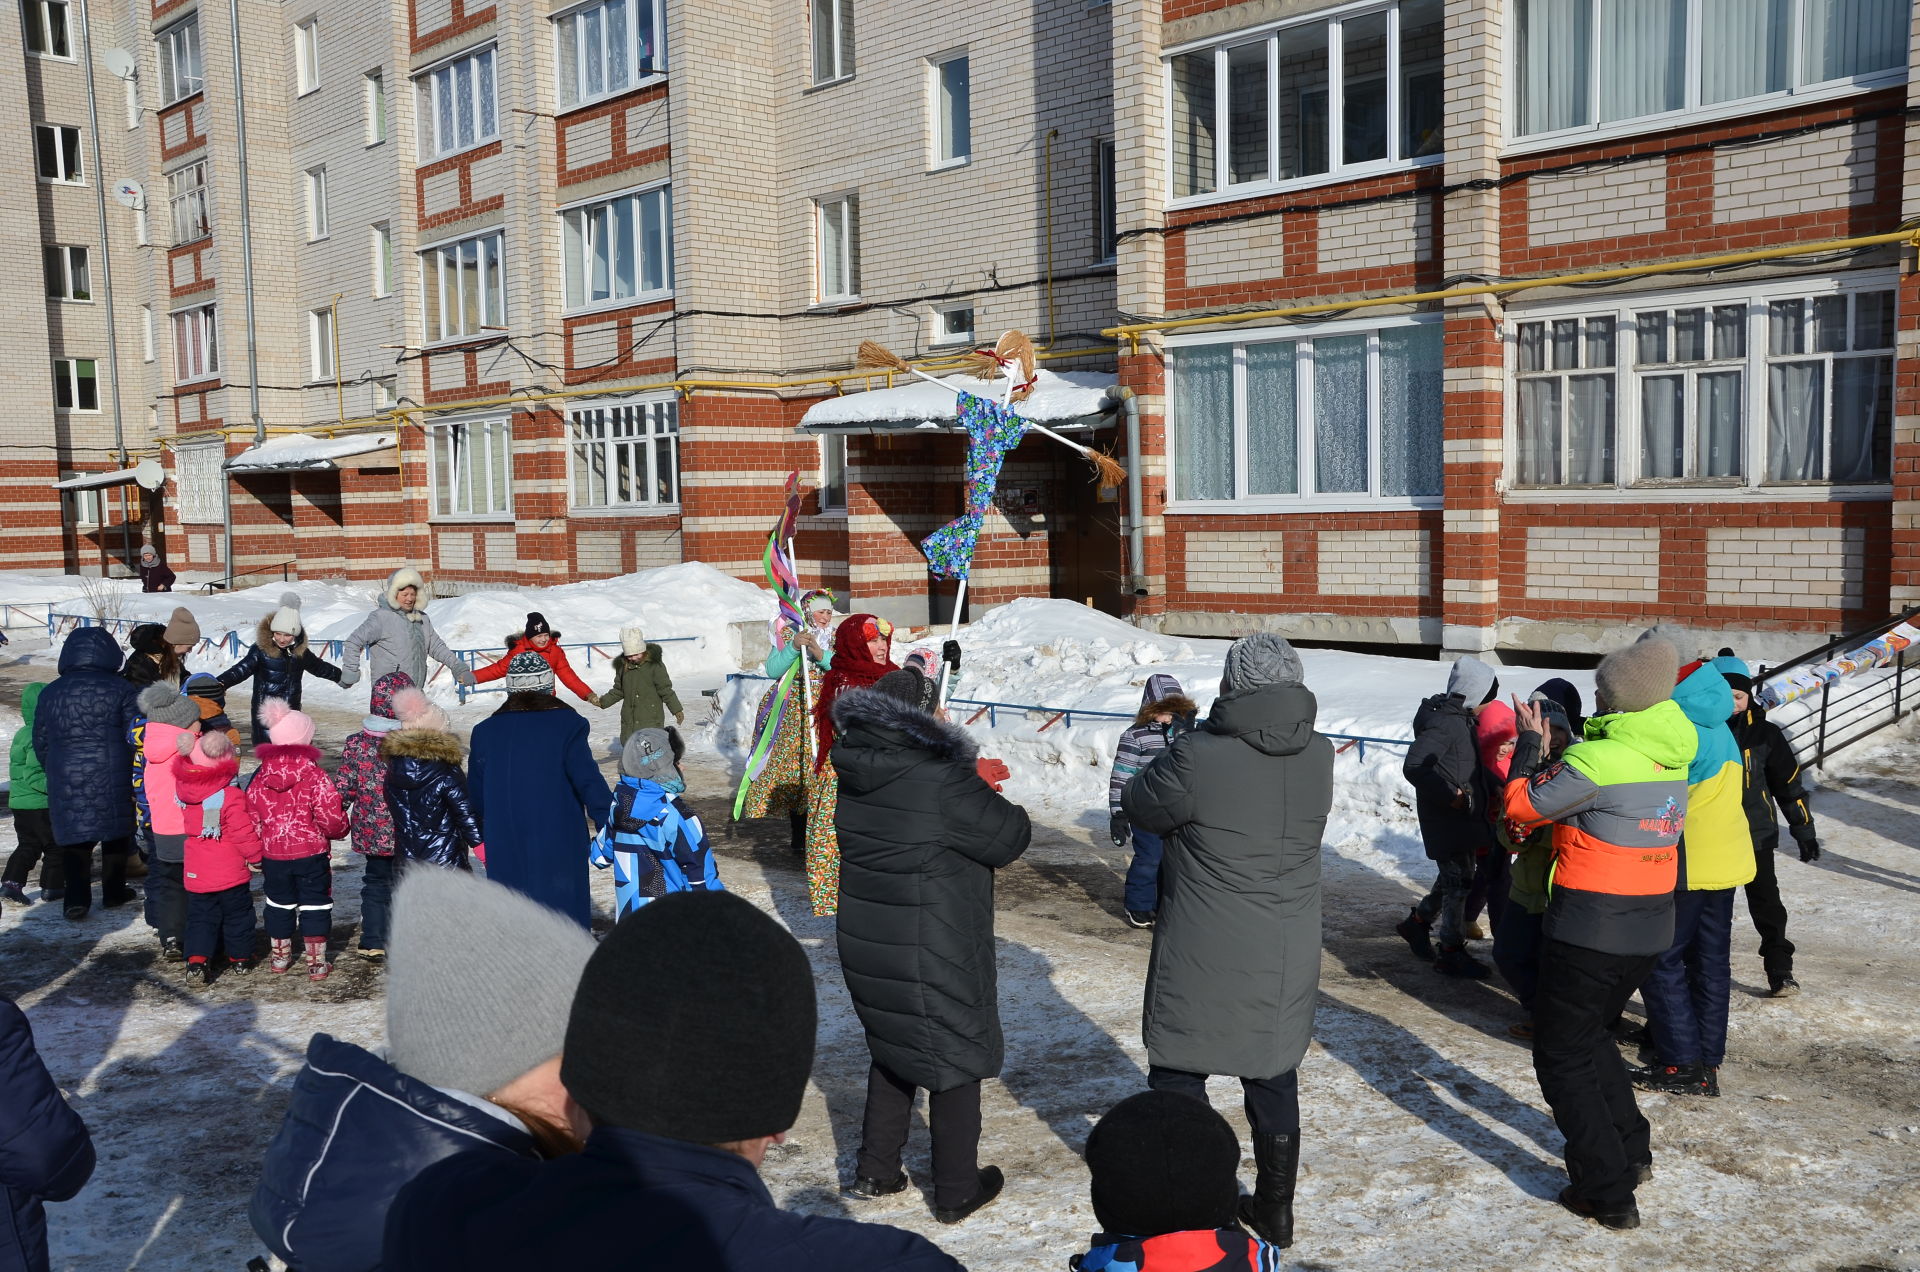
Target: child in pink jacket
221, 844
169, 716
298, 811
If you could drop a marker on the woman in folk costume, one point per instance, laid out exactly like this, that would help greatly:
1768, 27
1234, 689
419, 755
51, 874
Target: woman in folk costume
780, 787
861, 648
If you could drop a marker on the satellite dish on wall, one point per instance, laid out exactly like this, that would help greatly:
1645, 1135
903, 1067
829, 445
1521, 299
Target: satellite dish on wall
120, 63
130, 194
149, 474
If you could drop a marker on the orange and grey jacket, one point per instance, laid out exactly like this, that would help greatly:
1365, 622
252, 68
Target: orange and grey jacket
1617, 802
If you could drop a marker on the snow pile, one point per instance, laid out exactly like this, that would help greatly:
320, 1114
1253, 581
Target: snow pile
1063, 655
62, 591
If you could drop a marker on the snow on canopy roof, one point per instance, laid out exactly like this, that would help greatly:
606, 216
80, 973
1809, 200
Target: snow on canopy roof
304, 450
1057, 397
95, 481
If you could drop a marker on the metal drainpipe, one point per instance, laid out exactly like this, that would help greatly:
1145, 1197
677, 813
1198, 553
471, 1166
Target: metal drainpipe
246, 269
1136, 494
106, 284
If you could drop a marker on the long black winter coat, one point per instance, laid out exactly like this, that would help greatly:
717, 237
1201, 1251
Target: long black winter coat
920, 837
80, 734
357, 1130
276, 672
143, 665
45, 1151
1243, 803
433, 817
1444, 760
1772, 777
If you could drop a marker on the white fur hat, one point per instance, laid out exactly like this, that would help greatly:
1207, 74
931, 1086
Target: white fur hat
286, 619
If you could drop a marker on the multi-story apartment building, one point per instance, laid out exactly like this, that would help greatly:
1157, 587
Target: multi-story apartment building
1470, 323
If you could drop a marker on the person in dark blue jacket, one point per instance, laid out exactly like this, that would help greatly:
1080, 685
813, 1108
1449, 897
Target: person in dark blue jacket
80, 734
425, 790
45, 1151
688, 1050
279, 662
474, 1025
535, 784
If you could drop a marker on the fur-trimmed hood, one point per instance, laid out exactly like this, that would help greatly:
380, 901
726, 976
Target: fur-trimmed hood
422, 744
859, 712
263, 638
513, 639
1178, 705
405, 576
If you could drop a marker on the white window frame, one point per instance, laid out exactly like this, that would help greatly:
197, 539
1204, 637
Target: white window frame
652, 422
187, 193
845, 287
146, 333
1752, 483
944, 335
380, 250
48, 10
441, 269
306, 56
200, 478
580, 229
178, 50
833, 458
1692, 112
452, 442
577, 25
437, 91
196, 343
63, 262
837, 17
68, 370
1304, 457
1270, 34
86, 506
946, 146
374, 100
321, 342
383, 393
70, 165
316, 184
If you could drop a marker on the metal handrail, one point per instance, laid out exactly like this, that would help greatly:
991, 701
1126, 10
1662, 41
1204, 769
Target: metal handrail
226, 584
1846, 703
471, 657
1065, 715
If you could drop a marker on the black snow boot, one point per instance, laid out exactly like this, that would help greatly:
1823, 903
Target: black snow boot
113, 880
1457, 962
1672, 1079
1414, 930
1269, 1211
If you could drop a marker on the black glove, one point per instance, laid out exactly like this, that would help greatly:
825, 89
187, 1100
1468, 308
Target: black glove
1809, 848
950, 653
1118, 831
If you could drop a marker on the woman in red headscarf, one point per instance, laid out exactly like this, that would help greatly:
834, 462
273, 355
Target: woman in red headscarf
862, 646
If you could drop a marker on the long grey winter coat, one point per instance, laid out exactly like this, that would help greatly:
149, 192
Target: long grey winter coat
1242, 802
920, 837
397, 639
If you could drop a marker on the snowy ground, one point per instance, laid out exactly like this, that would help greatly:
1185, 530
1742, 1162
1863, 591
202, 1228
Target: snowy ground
1425, 1142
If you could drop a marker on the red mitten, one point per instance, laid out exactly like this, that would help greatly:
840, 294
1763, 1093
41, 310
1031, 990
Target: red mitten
992, 772
480, 853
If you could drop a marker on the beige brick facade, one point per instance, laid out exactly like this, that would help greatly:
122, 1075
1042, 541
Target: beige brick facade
1825, 171
1604, 204
1239, 562
1593, 563
1374, 562
1768, 565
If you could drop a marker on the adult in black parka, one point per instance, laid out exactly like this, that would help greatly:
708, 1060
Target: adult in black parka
80, 734
920, 837
45, 1151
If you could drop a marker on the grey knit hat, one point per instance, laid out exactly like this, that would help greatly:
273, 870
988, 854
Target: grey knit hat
1637, 677
1263, 658
1472, 681
652, 755
167, 705
529, 673
479, 982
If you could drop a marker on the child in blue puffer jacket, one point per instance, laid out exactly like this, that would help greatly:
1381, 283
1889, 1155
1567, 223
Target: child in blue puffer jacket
1165, 1192
653, 841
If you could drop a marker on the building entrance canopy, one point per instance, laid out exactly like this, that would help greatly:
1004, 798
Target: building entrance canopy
293, 452
1060, 400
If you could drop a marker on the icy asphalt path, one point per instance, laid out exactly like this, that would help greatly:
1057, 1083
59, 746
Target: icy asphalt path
1425, 1143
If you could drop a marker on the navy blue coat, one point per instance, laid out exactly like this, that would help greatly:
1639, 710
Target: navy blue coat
631, 1200
356, 1130
80, 733
45, 1151
275, 672
427, 796
534, 784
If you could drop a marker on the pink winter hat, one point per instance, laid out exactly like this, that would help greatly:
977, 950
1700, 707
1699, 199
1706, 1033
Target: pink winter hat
415, 710
285, 726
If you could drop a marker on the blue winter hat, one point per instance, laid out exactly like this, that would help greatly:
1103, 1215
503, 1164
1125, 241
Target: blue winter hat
529, 673
1737, 672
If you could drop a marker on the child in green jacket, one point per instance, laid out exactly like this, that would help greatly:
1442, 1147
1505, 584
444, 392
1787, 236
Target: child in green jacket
641, 686
27, 785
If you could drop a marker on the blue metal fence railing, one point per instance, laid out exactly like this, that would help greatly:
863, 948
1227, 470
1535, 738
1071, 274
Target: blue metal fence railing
472, 657
58, 623
1064, 715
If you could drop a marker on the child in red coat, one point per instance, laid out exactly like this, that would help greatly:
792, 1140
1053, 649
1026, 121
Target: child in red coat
221, 844
298, 812
540, 639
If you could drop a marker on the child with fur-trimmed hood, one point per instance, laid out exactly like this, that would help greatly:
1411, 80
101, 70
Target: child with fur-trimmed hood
653, 840
641, 686
1165, 713
537, 637
426, 790
278, 663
